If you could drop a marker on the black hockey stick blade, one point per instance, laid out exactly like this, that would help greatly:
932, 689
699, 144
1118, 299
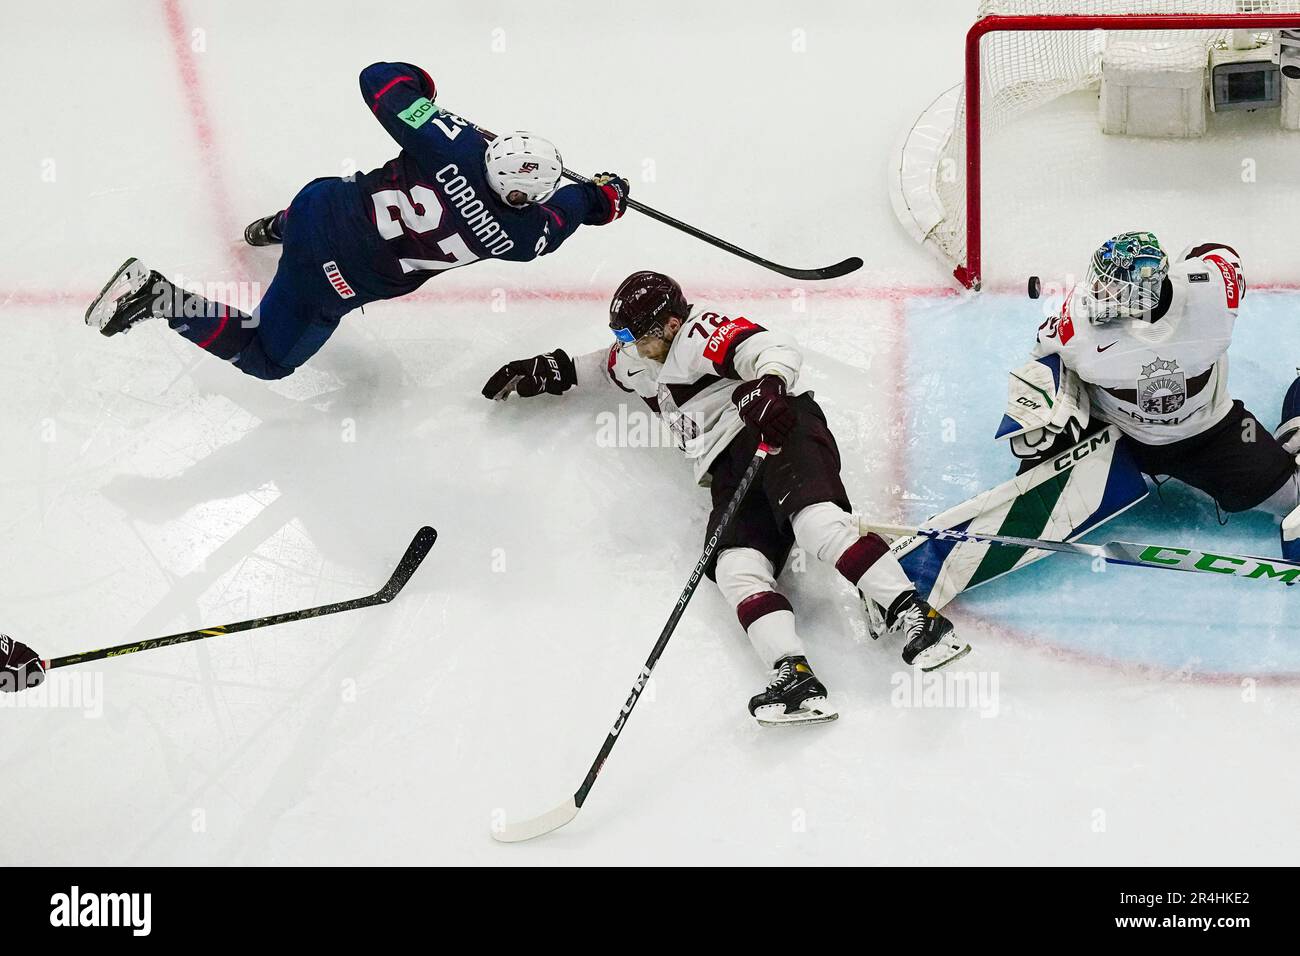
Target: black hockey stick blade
852, 264
842, 268
415, 554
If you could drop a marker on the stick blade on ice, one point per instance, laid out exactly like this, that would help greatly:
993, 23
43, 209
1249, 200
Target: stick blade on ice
537, 826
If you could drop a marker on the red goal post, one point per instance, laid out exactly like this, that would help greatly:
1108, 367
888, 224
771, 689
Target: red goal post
954, 229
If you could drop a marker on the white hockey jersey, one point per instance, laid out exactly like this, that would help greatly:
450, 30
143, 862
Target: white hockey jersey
1158, 381
691, 389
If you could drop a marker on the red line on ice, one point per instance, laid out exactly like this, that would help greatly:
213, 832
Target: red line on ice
209, 154
459, 294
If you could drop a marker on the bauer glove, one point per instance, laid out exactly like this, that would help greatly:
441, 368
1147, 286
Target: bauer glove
551, 372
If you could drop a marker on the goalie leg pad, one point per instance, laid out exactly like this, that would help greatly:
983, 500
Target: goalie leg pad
1061, 499
1291, 536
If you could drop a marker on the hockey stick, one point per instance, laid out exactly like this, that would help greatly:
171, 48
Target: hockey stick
1117, 552
565, 812
415, 554
851, 264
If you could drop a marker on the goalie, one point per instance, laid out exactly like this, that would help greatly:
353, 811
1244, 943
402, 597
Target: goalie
1143, 345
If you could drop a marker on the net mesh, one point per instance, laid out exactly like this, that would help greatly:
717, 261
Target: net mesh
1020, 71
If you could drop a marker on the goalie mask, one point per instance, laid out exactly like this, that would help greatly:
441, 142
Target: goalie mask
1124, 278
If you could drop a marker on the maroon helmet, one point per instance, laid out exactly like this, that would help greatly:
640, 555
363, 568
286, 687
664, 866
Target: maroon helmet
644, 303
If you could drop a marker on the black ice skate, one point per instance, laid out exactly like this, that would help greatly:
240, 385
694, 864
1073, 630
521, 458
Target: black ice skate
126, 300
931, 641
265, 232
794, 696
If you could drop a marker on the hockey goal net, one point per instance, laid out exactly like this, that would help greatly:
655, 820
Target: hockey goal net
1023, 54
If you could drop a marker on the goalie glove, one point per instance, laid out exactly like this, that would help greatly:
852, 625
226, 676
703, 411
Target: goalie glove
1047, 408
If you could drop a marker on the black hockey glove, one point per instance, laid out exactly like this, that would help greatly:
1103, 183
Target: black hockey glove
615, 189
764, 407
551, 372
20, 666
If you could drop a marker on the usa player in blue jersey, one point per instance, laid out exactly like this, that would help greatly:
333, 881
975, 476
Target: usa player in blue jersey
452, 197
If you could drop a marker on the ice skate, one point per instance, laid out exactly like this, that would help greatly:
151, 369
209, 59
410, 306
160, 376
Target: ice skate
125, 300
794, 696
931, 641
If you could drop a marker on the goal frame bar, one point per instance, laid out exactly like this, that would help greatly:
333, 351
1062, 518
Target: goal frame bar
969, 273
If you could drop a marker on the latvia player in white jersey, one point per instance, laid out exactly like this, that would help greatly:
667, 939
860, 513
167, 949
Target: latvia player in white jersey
1143, 343
723, 384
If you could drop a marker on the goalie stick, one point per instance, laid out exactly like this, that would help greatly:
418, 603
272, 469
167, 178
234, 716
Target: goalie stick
842, 268
565, 812
1118, 552
415, 553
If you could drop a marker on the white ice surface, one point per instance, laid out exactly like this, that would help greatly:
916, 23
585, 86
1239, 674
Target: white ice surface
150, 489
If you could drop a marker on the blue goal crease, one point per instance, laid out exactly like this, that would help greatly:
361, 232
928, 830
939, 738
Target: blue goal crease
957, 358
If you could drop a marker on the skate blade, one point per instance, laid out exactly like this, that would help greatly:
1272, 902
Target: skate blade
936, 661
129, 277
819, 713
875, 616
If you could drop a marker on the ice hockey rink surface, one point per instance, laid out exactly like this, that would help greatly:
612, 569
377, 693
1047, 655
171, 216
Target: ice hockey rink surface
1123, 717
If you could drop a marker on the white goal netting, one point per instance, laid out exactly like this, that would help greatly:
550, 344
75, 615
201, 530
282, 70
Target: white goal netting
1023, 70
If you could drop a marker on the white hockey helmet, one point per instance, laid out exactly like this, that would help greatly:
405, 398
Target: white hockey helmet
523, 162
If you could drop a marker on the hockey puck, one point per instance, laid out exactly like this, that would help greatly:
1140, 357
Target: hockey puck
1035, 287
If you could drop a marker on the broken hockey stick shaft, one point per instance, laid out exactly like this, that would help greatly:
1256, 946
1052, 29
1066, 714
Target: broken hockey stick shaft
565, 812
843, 268
1157, 556
415, 553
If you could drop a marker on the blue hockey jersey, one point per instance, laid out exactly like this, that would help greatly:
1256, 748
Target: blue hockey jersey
432, 209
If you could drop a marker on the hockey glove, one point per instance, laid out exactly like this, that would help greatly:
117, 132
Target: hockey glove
1048, 409
764, 407
615, 190
552, 372
20, 666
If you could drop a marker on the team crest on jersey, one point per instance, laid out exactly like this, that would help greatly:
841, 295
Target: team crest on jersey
1161, 388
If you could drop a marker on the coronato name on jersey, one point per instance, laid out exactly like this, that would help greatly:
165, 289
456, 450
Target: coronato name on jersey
1165, 380
691, 389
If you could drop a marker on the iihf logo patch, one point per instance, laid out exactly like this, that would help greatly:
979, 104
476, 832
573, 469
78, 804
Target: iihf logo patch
336, 279
1161, 388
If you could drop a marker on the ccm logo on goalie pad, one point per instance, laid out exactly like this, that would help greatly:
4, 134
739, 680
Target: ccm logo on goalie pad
715, 350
